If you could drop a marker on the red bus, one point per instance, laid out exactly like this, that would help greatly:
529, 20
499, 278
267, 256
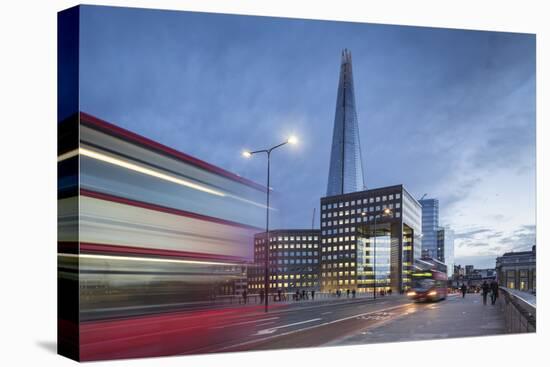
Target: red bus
428, 285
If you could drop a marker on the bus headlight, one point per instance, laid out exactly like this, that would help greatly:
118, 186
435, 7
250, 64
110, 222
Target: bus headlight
411, 293
432, 293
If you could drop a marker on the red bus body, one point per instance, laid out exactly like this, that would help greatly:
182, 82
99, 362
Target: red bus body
428, 285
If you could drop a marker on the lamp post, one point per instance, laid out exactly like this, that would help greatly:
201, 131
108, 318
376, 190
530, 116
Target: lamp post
383, 212
248, 154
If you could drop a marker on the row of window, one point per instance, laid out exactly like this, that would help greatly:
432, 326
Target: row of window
285, 285
364, 219
288, 238
367, 209
294, 261
376, 199
287, 246
285, 276
338, 282
338, 274
338, 239
338, 248
338, 257
295, 253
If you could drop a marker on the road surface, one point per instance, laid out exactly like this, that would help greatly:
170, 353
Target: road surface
342, 321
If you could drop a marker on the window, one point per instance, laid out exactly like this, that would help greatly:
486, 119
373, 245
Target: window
398, 196
384, 198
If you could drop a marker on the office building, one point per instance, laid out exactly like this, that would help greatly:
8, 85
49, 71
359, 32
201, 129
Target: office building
430, 228
293, 261
362, 247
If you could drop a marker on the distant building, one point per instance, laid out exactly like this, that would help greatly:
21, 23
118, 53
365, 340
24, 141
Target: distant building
449, 249
348, 235
429, 263
469, 269
430, 227
517, 270
293, 261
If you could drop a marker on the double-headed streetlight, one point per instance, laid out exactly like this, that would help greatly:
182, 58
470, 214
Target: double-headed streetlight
383, 213
248, 154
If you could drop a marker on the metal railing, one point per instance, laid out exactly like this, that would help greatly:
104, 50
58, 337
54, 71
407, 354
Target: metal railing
287, 297
520, 315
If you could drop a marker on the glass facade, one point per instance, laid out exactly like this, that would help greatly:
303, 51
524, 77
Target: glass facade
346, 167
430, 226
349, 224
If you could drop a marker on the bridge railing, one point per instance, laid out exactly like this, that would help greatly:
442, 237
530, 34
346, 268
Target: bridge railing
520, 314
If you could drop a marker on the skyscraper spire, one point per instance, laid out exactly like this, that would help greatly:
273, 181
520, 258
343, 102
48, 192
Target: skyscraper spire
346, 166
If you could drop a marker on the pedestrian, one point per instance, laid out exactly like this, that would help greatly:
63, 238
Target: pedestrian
312, 295
303, 294
494, 292
245, 295
261, 296
485, 291
463, 290
279, 295
389, 292
297, 295
353, 293
347, 293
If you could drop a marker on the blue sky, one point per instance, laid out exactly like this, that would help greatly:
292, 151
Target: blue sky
450, 113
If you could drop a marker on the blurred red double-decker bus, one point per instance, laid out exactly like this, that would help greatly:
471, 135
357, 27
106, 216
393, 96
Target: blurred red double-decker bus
428, 285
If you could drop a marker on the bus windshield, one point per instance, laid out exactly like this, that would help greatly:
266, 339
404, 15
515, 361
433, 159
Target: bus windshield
423, 284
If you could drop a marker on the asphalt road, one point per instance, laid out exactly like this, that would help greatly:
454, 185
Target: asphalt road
305, 324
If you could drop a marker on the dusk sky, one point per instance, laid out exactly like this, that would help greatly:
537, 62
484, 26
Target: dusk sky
449, 113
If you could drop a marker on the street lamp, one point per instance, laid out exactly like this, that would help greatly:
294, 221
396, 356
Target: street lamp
248, 154
383, 212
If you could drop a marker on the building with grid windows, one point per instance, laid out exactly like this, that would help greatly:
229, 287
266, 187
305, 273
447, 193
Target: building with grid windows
293, 261
369, 239
518, 270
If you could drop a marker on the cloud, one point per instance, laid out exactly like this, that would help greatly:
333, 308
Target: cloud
471, 234
521, 239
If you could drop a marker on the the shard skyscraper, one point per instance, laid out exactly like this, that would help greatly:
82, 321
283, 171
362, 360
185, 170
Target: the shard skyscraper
346, 166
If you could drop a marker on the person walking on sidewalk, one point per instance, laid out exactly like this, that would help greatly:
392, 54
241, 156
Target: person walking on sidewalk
463, 289
485, 292
494, 292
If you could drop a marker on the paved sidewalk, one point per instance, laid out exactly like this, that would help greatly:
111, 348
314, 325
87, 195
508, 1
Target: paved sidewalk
452, 318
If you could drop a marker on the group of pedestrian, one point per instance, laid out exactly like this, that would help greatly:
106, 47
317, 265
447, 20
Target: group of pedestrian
303, 295
486, 288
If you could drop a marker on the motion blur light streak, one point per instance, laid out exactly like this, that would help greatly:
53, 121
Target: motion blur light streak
67, 155
146, 259
147, 171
